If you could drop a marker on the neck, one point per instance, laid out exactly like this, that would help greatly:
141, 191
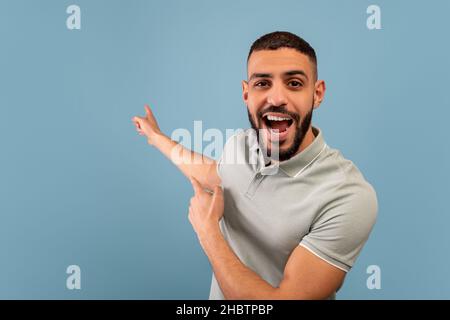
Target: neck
307, 140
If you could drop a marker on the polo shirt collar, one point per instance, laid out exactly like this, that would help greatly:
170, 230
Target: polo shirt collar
293, 166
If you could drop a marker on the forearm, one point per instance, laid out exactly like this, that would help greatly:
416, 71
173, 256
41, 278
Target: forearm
189, 162
235, 279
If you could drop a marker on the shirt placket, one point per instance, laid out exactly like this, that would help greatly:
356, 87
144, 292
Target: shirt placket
254, 184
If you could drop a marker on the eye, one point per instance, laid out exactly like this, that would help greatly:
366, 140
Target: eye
295, 84
261, 84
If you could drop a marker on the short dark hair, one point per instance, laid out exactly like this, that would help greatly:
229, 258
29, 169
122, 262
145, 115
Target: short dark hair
284, 39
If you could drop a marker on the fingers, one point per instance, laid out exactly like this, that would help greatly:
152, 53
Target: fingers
190, 214
148, 111
136, 121
218, 190
138, 125
196, 185
148, 114
218, 193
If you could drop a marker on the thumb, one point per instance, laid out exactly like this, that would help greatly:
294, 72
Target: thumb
148, 111
196, 185
218, 193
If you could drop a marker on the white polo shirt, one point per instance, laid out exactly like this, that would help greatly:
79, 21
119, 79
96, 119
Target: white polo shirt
317, 199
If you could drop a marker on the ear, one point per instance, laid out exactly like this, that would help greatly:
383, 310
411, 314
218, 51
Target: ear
245, 91
319, 93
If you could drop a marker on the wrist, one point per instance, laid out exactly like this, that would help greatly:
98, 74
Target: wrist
154, 138
211, 233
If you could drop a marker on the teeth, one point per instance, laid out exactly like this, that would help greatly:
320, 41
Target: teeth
274, 118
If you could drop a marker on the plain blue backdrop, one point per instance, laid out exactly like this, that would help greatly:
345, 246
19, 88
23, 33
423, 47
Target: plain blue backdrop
79, 186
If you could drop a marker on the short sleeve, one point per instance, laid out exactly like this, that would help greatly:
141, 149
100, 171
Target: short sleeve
229, 150
340, 231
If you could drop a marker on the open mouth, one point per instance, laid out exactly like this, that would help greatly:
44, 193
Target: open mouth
278, 124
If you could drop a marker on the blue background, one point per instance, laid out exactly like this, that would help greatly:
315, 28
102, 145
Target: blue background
79, 186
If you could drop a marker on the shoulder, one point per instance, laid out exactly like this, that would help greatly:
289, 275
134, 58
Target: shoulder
238, 142
235, 151
348, 193
240, 137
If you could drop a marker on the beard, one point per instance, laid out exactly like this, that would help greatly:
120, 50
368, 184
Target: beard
301, 128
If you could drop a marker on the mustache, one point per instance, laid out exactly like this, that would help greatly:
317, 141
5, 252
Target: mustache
278, 109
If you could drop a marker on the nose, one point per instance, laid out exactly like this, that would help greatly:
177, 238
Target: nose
276, 96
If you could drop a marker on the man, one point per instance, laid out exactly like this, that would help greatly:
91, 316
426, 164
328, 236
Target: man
289, 233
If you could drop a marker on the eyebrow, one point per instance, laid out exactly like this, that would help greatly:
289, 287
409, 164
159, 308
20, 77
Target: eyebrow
269, 75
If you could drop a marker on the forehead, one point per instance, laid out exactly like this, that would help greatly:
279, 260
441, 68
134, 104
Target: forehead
279, 61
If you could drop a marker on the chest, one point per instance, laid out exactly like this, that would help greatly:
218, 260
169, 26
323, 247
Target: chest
275, 210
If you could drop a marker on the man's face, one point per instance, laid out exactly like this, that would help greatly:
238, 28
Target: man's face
281, 93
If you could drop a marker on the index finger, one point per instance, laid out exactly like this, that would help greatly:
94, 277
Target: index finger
196, 185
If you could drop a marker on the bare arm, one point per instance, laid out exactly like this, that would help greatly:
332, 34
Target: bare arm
190, 163
306, 276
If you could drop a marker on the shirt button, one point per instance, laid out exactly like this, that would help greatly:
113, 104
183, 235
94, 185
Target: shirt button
258, 175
